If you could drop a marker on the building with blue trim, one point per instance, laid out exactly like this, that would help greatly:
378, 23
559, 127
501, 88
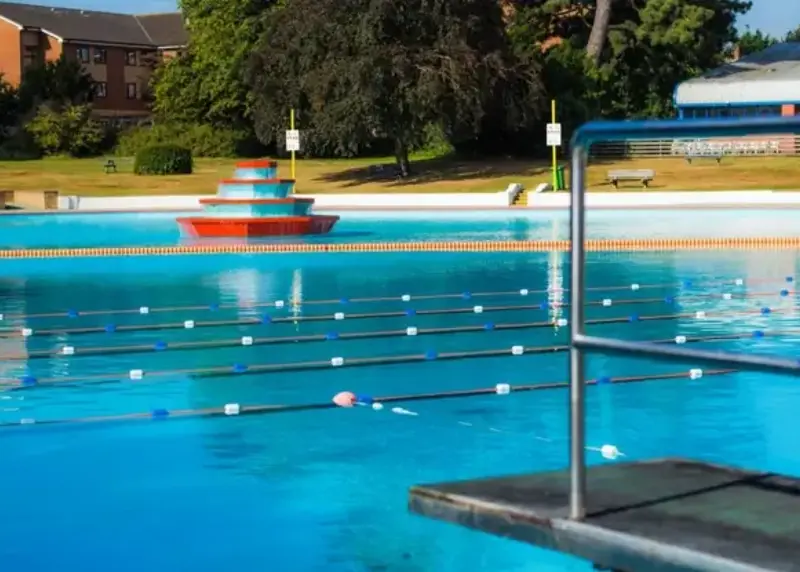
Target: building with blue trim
763, 84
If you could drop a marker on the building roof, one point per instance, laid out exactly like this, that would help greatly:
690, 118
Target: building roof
152, 30
165, 30
765, 78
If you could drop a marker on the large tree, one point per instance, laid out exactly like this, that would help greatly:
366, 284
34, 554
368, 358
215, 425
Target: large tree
752, 42
650, 47
9, 107
359, 70
206, 84
57, 84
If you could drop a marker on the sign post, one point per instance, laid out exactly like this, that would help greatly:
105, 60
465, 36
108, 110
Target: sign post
554, 140
292, 141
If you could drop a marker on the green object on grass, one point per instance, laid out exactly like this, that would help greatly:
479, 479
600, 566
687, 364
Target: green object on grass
560, 186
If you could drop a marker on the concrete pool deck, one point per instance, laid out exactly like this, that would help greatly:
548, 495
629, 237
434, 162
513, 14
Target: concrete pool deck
500, 201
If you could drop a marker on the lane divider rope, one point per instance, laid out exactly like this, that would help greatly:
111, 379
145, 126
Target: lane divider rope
236, 409
595, 245
406, 297
27, 332
70, 351
239, 369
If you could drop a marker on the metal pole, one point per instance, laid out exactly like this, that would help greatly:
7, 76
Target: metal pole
577, 386
293, 163
554, 149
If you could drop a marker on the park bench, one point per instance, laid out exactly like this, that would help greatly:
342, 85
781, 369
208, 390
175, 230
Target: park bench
708, 154
644, 176
110, 167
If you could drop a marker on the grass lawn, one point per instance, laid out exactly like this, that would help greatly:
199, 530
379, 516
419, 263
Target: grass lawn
86, 176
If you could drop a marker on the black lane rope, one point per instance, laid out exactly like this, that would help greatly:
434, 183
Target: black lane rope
238, 369
235, 409
340, 316
73, 313
247, 341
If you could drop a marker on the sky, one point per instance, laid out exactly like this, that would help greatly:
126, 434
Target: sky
774, 17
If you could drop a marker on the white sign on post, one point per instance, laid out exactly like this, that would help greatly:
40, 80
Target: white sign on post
292, 140
554, 135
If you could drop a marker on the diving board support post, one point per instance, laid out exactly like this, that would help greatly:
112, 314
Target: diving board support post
580, 343
577, 358
672, 515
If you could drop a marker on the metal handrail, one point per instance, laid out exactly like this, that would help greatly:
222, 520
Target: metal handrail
580, 343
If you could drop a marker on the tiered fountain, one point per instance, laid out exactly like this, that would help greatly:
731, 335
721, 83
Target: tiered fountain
256, 203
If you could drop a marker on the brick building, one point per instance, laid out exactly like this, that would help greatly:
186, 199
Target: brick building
118, 50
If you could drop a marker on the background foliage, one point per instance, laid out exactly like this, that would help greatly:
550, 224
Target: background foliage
384, 77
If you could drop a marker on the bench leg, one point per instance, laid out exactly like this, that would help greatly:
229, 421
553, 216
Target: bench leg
615, 184
645, 184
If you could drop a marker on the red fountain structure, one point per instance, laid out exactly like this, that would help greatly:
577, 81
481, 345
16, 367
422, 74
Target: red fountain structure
255, 202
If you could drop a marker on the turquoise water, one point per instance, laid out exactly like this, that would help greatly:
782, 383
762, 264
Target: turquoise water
326, 490
159, 229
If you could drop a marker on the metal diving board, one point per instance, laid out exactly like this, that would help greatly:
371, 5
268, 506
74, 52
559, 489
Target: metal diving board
659, 516
666, 515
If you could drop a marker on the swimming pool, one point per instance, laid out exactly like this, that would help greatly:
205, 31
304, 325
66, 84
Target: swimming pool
71, 229
326, 489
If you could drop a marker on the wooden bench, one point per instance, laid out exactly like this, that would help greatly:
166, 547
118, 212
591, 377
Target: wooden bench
716, 155
110, 167
644, 176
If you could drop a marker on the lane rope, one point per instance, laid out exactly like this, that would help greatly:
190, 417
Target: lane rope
407, 297
377, 403
69, 351
27, 332
240, 369
593, 245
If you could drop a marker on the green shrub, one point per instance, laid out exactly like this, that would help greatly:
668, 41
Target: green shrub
434, 143
19, 146
203, 140
70, 131
164, 159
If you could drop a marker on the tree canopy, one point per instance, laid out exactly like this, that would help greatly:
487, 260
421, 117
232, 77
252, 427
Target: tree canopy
57, 84
479, 73
206, 84
358, 70
377, 76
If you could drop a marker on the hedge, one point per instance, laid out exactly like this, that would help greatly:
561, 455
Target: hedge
202, 140
163, 159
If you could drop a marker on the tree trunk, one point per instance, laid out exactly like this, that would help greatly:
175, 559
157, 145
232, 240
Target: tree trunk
401, 156
597, 39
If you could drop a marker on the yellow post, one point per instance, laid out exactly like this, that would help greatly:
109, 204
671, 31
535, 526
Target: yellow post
554, 149
291, 126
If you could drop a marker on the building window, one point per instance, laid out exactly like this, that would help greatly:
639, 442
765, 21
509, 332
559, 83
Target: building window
130, 58
732, 111
29, 57
99, 56
130, 90
83, 55
100, 89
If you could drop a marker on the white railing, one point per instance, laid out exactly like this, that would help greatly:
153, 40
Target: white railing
739, 147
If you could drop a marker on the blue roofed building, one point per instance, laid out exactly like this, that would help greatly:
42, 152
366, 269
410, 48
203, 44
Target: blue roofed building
766, 83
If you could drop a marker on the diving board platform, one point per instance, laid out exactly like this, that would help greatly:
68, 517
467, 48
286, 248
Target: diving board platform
668, 515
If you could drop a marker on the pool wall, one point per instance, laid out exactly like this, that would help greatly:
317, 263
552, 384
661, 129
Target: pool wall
355, 200
503, 199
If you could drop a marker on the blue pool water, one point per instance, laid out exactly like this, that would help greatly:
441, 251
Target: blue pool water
326, 490
160, 229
